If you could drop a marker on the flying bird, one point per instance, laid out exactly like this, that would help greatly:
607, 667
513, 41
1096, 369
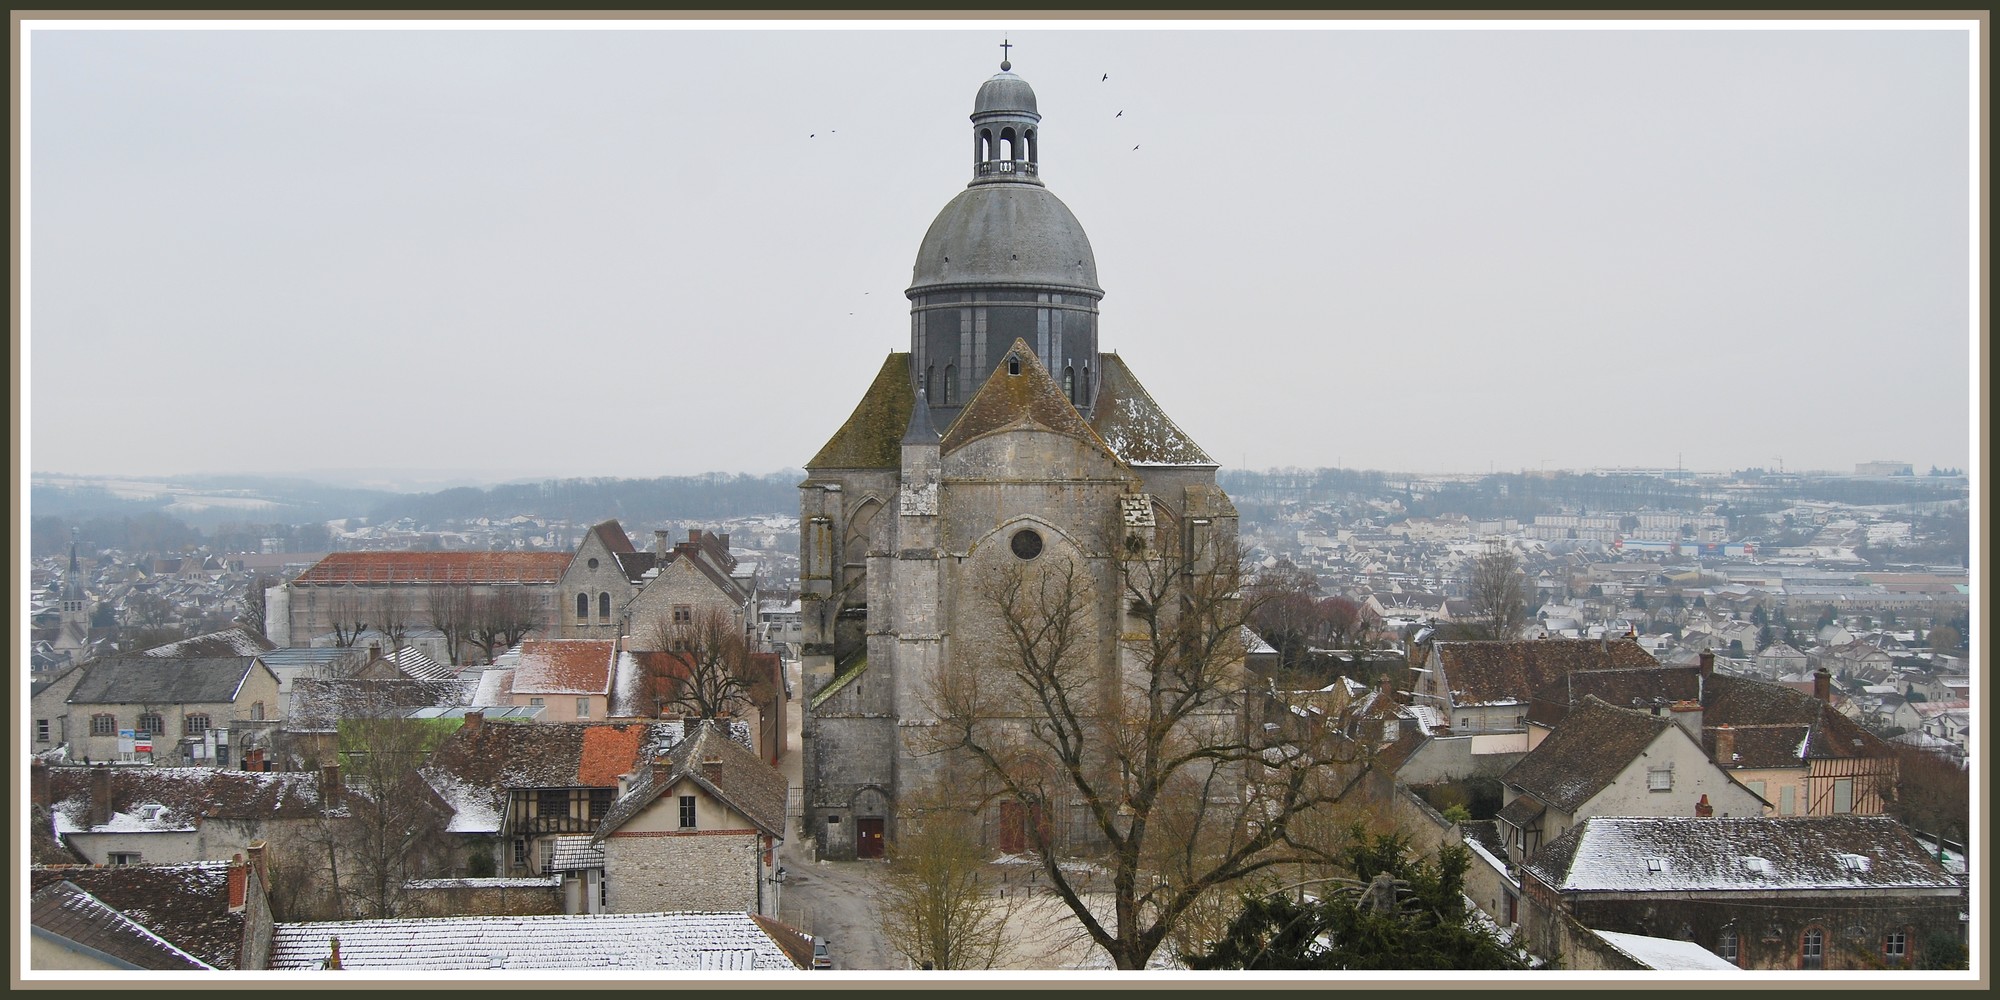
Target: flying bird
1135, 147
1120, 114
1105, 77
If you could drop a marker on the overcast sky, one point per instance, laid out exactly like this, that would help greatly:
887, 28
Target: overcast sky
497, 254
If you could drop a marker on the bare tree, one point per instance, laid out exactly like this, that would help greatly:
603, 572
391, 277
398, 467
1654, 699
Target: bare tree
397, 823
1152, 757
347, 610
254, 610
719, 678
500, 618
942, 907
449, 607
1500, 594
392, 610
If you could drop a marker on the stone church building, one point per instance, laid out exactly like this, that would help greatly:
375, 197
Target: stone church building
1003, 436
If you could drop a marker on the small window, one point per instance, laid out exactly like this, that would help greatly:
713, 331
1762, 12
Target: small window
604, 606
583, 607
1013, 364
1727, 947
687, 812
41, 730
552, 802
537, 702
151, 724
1812, 949
194, 725
683, 614
1895, 947
592, 563
600, 802
103, 725
583, 708
256, 711
1843, 795
1660, 779
123, 859
520, 852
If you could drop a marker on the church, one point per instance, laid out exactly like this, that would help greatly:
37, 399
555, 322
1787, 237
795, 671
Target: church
1003, 436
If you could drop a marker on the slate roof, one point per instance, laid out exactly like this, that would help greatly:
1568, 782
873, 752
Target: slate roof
1585, 754
74, 915
161, 681
1030, 399
1643, 687
228, 642
1136, 429
1665, 954
576, 851
187, 905
688, 941
439, 567
1776, 726
718, 764
566, 667
319, 704
1512, 671
1798, 853
191, 794
872, 436
612, 535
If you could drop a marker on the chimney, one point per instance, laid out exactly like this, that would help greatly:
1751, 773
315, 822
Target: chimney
1702, 809
694, 534
258, 863
374, 651
1388, 688
38, 785
333, 955
723, 540
1725, 745
239, 884
100, 795
475, 719
329, 785
1708, 663
1823, 685
660, 544
1688, 714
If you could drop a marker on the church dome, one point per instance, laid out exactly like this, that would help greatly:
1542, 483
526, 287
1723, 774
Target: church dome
1004, 93
1006, 234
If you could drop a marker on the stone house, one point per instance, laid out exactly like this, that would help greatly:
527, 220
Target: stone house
189, 707
208, 915
1792, 893
1604, 760
367, 587
570, 678
611, 589
127, 814
696, 828
1794, 749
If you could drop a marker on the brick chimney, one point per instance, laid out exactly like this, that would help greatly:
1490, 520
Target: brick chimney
239, 884
333, 954
473, 720
1725, 745
38, 784
1702, 809
374, 651
1823, 685
1707, 663
258, 863
100, 795
1688, 715
329, 785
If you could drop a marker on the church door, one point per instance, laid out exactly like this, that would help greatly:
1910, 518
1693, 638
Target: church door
868, 838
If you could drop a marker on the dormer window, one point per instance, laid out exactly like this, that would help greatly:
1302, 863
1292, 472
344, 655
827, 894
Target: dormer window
1013, 364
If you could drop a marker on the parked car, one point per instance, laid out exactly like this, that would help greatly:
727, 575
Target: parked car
821, 960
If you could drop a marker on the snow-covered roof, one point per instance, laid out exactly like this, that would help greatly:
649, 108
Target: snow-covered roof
1666, 954
690, 941
1770, 854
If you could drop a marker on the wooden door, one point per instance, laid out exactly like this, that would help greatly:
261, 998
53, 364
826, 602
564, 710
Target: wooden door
868, 838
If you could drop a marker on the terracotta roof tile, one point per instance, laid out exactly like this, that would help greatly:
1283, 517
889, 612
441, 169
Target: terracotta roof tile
566, 666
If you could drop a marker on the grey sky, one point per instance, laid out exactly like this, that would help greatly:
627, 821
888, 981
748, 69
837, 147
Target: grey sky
618, 253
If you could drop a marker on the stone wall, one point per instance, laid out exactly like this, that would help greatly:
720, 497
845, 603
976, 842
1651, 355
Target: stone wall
486, 897
705, 870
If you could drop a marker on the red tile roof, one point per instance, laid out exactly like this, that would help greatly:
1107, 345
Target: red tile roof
566, 666
439, 567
